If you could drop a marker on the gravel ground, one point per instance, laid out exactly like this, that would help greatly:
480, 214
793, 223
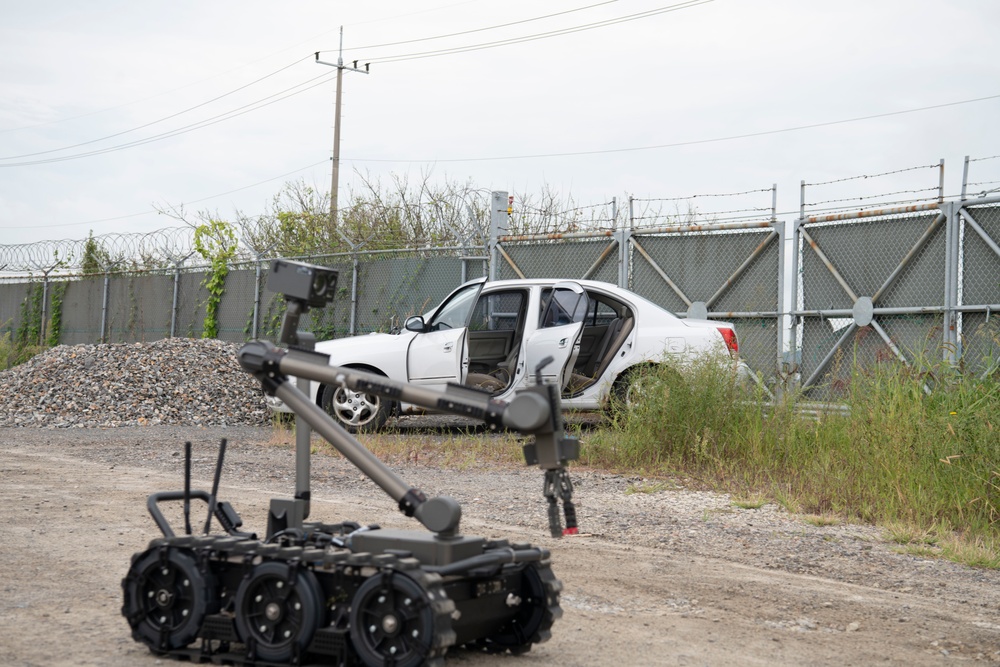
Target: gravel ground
186, 381
671, 577
675, 577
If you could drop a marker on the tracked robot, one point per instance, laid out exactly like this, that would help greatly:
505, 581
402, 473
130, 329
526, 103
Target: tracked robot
315, 593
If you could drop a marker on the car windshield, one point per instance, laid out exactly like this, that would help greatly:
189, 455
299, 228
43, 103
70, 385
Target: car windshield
455, 313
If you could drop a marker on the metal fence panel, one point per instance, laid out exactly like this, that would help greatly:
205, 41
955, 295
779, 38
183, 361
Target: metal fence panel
575, 258
865, 280
191, 296
394, 287
12, 296
81, 311
732, 273
235, 313
138, 307
980, 286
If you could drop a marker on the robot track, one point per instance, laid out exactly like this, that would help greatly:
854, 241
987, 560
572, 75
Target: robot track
230, 600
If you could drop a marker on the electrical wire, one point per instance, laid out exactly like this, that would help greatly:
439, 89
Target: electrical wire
531, 38
233, 69
160, 120
205, 123
228, 115
193, 201
475, 30
677, 144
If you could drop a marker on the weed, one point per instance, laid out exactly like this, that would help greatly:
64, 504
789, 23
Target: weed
915, 446
821, 520
649, 487
752, 502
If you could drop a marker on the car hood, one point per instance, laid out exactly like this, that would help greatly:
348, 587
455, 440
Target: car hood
362, 349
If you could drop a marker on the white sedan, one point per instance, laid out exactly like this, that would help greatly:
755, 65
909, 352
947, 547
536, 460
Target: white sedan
493, 335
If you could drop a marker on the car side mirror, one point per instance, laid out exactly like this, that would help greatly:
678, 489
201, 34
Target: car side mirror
415, 324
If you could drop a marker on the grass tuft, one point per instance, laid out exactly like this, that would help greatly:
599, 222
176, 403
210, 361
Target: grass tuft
918, 446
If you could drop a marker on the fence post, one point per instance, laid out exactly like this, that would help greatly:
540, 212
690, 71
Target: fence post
173, 302
792, 359
104, 304
256, 299
354, 296
624, 241
45, 299
949, 320
498, 213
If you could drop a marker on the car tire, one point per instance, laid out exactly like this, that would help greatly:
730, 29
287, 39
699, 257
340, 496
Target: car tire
628, 387
356, 411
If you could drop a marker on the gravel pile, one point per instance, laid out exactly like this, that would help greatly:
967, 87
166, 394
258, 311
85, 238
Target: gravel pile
182, 381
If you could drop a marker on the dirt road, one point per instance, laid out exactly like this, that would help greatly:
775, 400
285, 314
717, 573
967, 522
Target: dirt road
672, 578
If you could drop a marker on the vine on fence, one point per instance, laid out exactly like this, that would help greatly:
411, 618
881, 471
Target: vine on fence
29, 329
215, 240
54, 333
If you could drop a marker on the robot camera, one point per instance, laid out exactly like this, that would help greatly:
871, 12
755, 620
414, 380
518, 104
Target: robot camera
308, 284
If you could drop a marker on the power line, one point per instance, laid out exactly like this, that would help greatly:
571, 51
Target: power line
693, 142
233, 69
475, 30
160, 120
193, 201
538, 36
233, 113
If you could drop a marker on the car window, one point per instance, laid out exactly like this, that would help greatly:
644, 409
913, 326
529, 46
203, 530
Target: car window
497, 311
455, 313
562, 306
601, 313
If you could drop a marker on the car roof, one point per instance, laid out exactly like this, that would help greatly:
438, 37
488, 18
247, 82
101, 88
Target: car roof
611, 288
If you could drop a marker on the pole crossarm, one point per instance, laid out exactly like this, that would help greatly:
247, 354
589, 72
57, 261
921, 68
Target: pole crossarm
335, 177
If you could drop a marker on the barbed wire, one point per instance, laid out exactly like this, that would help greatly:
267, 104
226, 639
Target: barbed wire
161, 247
878, 196
696, 218
867, 176
881, 205
980, 159
704, 195
542, 211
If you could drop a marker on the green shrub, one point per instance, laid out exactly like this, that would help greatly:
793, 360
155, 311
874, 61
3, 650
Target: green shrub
915, 444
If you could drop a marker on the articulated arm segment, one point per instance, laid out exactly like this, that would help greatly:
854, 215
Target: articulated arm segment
533, 411
267, 363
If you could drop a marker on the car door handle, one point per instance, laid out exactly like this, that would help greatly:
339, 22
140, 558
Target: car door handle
562, 343
448, 347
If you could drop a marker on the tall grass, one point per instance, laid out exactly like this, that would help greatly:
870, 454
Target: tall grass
898, 456
13, 352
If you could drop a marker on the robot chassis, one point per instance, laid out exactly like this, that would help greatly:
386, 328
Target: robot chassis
313, 593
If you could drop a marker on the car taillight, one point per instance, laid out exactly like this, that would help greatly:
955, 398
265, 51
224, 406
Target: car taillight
729, 335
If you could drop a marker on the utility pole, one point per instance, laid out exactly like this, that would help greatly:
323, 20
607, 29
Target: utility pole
336, 122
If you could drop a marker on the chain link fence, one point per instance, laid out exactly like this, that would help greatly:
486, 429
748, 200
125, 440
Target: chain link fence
857, 286
730, 272
978, 287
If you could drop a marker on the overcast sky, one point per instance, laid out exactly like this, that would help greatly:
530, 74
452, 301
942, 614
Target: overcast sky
655, 107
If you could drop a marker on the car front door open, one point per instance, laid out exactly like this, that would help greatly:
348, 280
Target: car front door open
440, 354
563, 308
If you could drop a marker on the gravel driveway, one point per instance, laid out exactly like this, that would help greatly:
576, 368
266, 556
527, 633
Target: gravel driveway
675, 577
